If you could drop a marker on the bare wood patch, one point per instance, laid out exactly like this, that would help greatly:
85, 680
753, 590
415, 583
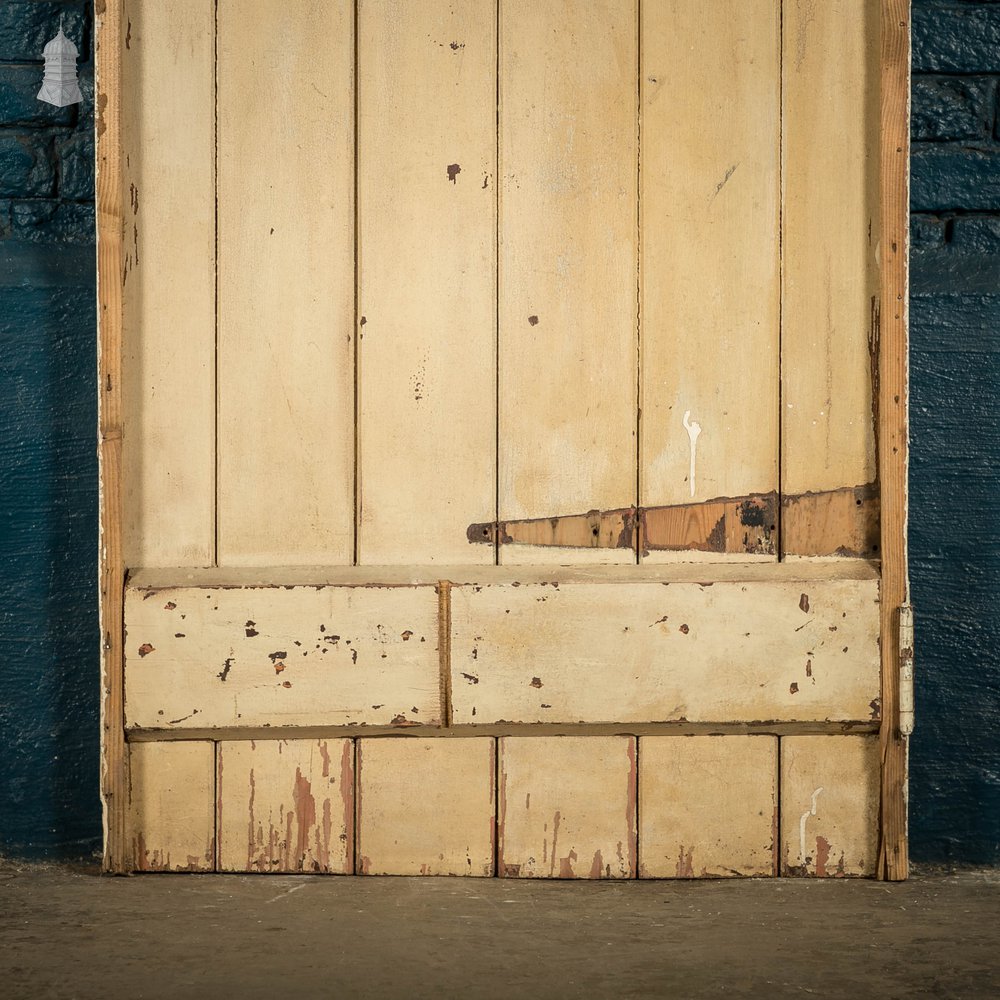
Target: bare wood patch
842, 522
833, 523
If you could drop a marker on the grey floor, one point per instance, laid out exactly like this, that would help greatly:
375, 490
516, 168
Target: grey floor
67, 932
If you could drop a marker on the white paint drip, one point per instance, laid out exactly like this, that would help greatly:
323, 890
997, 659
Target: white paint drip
811, 811
694, 429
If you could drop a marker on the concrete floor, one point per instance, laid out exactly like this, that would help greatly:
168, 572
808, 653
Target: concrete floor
66, 932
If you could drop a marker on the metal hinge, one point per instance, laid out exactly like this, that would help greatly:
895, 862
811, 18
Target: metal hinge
905, 669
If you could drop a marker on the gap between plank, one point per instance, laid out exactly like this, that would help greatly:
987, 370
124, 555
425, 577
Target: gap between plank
497, 181
637, 531
779, 533
215, 189
356, 333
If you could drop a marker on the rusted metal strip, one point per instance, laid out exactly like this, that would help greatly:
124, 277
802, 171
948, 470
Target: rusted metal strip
842, 522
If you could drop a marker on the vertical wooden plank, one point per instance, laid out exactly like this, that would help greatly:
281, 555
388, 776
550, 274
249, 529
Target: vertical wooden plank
710, 82
568, 262
829, 805
172, 806
110, 205
286, 282
893, 435
168, 271
286, 806
567, 807
830, 238
708, 806
426, 806
427, 278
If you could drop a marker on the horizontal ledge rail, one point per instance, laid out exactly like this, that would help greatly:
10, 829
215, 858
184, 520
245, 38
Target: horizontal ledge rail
424, 575
678, 729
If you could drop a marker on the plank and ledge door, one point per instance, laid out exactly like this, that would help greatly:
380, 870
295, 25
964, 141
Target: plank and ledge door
481, 321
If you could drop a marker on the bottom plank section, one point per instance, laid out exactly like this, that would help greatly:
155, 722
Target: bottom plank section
426, 806
171, 806
518, 806
286, 806
708, 806
829, 805
567, 807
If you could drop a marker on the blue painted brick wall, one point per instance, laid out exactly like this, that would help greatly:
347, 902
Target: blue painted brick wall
955, 400
48, 496
48, 471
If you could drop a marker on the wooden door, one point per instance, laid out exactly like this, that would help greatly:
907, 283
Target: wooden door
503, 434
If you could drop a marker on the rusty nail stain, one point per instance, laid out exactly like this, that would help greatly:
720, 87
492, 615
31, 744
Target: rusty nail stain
145, 649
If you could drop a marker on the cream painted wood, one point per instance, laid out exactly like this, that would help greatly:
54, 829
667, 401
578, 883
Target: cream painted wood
710, 84
168, 276
830, 234
286, 282
281, 656
426, 807
708, 806
427, 278
286, 806
796, 571
171, 822
649, 652
567, 807
568, 258
829, 805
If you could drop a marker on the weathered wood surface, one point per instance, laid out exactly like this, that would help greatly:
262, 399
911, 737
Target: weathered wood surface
427, 190
710, 82
168, 274
171, 823
829, 805
224, 577
708, 806
110, 238
830, 236
893, 440
267, 656
843, 522
286, 279
568, 259
567, 807
426, 806
644, 652
286, 806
